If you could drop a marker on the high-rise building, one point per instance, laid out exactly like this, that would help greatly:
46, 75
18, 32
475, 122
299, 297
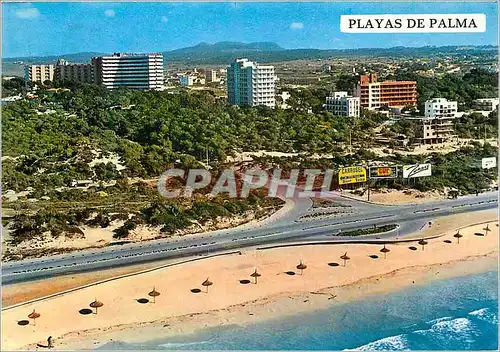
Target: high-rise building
437, 125
66, 71
40, 73
392, 94
249, 83
134, 71
341, 104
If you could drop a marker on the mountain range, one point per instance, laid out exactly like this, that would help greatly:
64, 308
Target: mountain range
224, 52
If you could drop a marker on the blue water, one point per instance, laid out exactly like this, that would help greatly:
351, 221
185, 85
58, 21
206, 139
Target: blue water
453, 314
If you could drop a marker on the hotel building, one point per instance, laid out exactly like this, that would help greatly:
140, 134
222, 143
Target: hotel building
134, 71
340, 104
437, 125
490, 104
40, 73
66, 71
249, 83
392, 94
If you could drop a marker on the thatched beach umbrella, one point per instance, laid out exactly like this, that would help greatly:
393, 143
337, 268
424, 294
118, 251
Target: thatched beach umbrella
207, 283
301, 267
458, 236
154, 294
422, 242
345, 258
255, 275
487, 229
385, 251
34, 315
96, 304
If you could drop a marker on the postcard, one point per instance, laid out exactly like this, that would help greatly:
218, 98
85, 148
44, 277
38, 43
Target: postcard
250, 175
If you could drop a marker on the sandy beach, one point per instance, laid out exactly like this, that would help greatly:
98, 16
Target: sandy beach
178, 311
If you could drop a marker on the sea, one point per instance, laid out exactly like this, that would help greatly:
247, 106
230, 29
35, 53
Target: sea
449, 314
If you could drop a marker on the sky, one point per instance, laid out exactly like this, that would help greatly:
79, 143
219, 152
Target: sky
39, 29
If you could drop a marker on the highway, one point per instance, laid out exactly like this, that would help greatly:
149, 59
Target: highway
410, 219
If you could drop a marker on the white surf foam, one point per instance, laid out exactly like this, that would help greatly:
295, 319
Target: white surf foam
395, 343
485, 314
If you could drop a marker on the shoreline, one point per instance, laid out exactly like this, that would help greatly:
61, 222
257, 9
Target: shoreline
280, 306
179, 312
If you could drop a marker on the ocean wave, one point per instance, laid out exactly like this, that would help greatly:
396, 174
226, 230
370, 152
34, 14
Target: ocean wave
485, 314
182, 344
438, 320
394, 343
451, 331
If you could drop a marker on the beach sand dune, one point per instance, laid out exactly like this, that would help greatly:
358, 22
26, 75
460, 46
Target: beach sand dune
178, 310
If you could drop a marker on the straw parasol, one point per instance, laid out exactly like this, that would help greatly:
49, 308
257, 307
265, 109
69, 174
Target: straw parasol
458, 236
154, 294
385, 251
422, 242
255, 275
33, 315
301, 267
96, 304
345, 258
207, 283
487, 229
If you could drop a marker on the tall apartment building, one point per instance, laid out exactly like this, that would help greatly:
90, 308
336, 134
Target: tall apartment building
392, 94
341, 104
249, 83
39, 73
437, 125
134, 71
66, 71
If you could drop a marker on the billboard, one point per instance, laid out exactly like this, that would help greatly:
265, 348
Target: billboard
416, 170
488, 163
352, 174
383, 172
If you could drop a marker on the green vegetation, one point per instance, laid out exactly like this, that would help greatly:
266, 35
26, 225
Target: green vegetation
464, 89
477, 126
369, 231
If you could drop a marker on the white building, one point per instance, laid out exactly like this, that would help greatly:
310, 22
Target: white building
284, 98
186, 80
437, 125
134, 71
440, 108
341, 104
211, 75
249, 83
490, 104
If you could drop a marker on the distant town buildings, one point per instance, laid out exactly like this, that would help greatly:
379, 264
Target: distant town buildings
74, 72
186, 80
40, 73
211, 75
341, 104
392, 94
490, 104
134, 71
249, 83
437, 125
284, 96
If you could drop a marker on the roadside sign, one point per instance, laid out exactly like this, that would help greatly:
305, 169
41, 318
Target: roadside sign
488, 163
383, 172
352, 174
417, 170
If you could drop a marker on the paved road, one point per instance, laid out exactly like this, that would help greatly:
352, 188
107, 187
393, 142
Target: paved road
409, 217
